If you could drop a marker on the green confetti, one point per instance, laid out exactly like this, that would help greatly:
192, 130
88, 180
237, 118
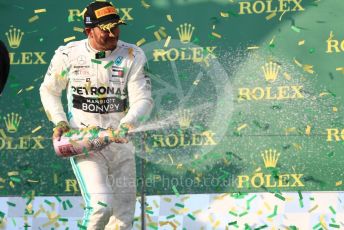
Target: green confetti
179, 205
64, 72
334, 225
249, 201
243, 214
233, 213
15, 179
279, 196
175, 190
301, 203
64, 205
150, 212
82, 226
296, 29
232, 223
261, 227
48, 202
191, 216
102, 204
63, 219
153, 226
300, 195
330, 154
150, 27
317, 225
311, 50
108, 64
274, 213
69, 204
275, 107
170, 216
332, 210
96, 61
11, 204
41, 39
2, 214
58, 199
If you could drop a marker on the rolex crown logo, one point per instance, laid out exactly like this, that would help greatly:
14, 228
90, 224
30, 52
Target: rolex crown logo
271, 70
14, 37
12, 122
185, 32
184, 119
270, 158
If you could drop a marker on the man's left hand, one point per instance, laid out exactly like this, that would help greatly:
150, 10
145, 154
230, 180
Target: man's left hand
121, 133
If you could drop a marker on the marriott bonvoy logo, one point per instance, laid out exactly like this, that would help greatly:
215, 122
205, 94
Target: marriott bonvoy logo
185, 52
272, 179
11, 124
15, 38
270, 72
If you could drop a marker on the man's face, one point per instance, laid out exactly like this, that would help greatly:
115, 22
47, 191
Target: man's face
102, 39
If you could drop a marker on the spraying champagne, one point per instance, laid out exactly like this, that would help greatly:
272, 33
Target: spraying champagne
82, 141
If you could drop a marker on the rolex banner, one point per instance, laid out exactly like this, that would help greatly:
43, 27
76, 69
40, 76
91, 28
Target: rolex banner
248, 95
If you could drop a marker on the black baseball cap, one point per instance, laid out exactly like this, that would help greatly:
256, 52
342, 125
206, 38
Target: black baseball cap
100, 13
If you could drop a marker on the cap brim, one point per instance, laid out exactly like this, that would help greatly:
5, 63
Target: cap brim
118, 22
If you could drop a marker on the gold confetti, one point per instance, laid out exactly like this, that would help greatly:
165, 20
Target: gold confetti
287, 76
297, 146
69, 39
241, 127
78, 29
323, 94
29, 88
196, 82
258, 169
252, 47
13, 173
144, 4
167, 41
297, 63
167, 199
155, 203
308, 130
225, 15
36, 129
273, 14
32, 181
341, 69
267, 206
40, 11
312, 209
141, 41
216, 35
185, 198
34, 18
334, 109
302, 42
169, 18
272, 40
216, 224
339, 183
196, 212
308, 68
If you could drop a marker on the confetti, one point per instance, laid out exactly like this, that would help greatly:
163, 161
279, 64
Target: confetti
150, 27
34, 18
216, 35
11, 204
36, 129
169, 18
296, 29
224, 14
252, 47
279, 196
179, 205
339, 183
312, 209
78, 29
110, 63
170, 216
175, 190
96, 61
37, 11
274, 213
140, 42
241, 127
334, 225
191, 217
280, 18
144, 4
301, 43
273, 14
167, 42
69, 39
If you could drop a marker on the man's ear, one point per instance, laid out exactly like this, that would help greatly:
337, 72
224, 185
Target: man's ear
87, 31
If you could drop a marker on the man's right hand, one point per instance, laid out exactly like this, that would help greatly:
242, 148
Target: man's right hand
59, 129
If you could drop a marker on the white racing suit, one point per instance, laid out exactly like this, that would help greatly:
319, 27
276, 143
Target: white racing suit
99, 87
